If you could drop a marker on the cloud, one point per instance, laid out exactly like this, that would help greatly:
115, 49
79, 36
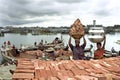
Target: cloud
18, 12
22, 12
15, 12
70, 1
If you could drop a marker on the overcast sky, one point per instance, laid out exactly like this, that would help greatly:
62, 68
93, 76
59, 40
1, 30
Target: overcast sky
58, 12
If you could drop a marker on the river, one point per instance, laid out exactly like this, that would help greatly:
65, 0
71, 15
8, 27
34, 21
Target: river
18, 39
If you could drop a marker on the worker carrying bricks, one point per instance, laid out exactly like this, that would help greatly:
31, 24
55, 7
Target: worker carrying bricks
77, 32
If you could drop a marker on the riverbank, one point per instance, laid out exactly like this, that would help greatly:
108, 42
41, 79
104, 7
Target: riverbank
4, 72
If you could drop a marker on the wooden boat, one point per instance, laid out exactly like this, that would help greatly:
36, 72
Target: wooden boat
48, 54
24, 32
1, 34
43, 46
4, 55
9, 55
28, 47
35, 32
118, 42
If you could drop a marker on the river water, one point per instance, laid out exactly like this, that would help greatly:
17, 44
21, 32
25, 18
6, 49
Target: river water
18, 39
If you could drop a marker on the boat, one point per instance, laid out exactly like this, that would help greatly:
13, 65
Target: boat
1, 34
4, 54
24, 32
118, 42
50, 54
32, 50
96, 34
28, 47
8, 56
43, 46
35, 32
111, 54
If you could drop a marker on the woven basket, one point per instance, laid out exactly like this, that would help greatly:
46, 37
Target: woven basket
76, 35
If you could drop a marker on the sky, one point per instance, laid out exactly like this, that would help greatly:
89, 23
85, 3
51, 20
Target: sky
46, 13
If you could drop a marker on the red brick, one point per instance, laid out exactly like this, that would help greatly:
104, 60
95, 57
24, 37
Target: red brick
114, 77
56, 68
25, 67
70, 73
37, 73
49, 73
79, 66
60, 77
105, 64
99, 76
85, 65
85, 77
42, 78
52, 78
61, 67
75, 72
48, 66
34, 79
24, 71
64, 73
54, 72
108, 76
71, 64
23, 76
43, 73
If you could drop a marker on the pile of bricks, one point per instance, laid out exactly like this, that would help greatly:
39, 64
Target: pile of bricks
24, 70
104, 69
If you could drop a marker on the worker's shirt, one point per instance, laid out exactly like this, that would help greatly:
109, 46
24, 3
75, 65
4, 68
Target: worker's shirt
98, 54
78, 51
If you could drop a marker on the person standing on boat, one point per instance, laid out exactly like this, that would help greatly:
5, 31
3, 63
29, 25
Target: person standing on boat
4, 45
78, 50
15, 51
98, 54
56, 41
9, 45
35, 44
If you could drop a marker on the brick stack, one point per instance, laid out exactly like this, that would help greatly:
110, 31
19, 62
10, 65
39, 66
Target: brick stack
24, 70
104, 69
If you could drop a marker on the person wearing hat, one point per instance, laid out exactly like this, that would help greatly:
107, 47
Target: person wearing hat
78, 50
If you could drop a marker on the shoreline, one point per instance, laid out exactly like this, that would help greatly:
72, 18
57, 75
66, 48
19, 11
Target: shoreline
4, 72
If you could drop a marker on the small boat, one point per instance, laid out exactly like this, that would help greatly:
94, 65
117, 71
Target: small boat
4, 54
118, 42
8, 55
24, 32
28, 47
35, 32
42, 47
46, 54
110, 54
1, 34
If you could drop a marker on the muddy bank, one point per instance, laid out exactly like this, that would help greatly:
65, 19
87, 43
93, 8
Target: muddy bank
4, 72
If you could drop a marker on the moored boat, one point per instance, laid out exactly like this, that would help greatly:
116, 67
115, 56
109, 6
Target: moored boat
1, 34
